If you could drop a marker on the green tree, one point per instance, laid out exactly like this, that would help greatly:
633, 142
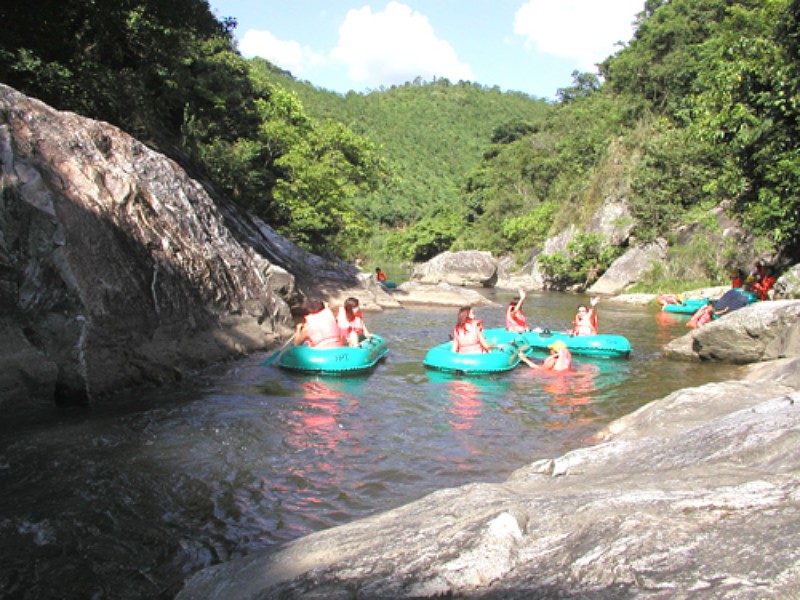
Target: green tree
749, 105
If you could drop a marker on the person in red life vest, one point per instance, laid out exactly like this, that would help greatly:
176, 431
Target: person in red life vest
351, 322
586, 319
701, 316
515, 319
319, 327
762, 286
560, 358
468, 335
665, 299
380, 275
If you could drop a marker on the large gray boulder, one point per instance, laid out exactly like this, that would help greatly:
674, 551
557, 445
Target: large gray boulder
628, 268
759, 332
116, 268
467, 268
443, 294
694, 495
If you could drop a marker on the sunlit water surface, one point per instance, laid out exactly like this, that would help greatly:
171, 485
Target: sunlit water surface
129, 499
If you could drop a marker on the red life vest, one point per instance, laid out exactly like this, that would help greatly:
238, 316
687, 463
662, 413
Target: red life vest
515, 320
468, 339
585, 324
700, 317
347, 327
665, 299
762, 288
322, 329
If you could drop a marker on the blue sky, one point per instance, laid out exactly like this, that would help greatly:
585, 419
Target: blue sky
531, 46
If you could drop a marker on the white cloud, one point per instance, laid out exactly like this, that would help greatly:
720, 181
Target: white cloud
584, 30
287, 55
393, 47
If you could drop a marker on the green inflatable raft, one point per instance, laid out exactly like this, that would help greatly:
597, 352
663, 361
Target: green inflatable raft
335, 361
501, 359
601, 345
689, 307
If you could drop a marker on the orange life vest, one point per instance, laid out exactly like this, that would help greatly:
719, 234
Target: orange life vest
700, 317
468, 339
347, 327
585, 324
515, 321
665, 299
322, 329
762, 288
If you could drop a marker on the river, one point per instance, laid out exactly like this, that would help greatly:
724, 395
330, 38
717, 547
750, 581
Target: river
129, 498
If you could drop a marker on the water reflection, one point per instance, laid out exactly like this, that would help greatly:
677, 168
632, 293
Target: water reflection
669, 326
571, 393
248, 456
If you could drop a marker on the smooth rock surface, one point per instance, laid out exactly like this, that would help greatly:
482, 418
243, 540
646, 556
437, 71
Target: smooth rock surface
466, 268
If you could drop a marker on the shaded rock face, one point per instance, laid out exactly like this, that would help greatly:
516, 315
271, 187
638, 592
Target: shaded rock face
694, 495
468, 268
759, 332
116, 268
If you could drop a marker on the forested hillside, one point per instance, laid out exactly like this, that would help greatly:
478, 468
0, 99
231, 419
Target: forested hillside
433, 135
700, 109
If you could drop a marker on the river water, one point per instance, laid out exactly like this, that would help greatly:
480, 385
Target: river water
128, 499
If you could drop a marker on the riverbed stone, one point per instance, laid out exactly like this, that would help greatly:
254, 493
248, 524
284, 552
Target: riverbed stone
467, 268
695, 494
628, 268
762, 331
412, 293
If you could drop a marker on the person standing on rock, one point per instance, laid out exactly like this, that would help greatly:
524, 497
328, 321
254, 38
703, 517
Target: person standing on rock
468, 335
515, 319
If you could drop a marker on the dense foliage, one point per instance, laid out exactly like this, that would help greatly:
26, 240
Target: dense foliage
168, 73
433, 134
722, 78
699, 110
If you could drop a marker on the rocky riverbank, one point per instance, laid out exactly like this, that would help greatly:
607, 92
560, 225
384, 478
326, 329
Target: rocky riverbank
693, 495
